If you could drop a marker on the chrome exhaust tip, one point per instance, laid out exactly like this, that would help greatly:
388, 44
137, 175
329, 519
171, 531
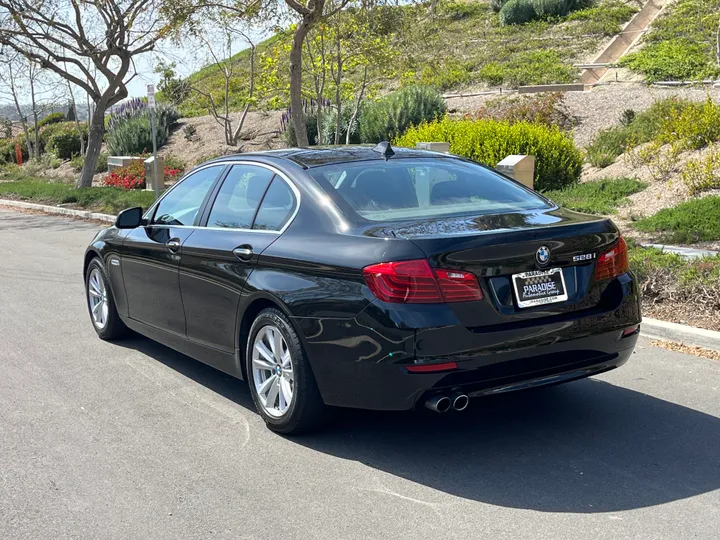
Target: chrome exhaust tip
438, 403
460, 402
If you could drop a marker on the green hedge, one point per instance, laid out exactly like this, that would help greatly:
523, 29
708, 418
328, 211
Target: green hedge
52, 118
558, 161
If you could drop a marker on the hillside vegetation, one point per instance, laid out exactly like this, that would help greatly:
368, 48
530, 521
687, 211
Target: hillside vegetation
681, 44
459, 44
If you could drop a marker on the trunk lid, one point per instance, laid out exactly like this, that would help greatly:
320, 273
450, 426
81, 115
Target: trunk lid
495, 247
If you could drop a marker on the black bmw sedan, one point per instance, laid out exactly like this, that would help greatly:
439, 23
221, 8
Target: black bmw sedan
365, 277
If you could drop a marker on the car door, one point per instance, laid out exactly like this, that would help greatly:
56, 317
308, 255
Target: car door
151, 254
247, 213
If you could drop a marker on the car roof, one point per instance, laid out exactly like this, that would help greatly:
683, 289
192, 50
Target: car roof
327, 155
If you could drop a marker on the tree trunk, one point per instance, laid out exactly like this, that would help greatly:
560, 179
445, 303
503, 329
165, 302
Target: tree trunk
718, 45
356, 110
338, 81
95, 138
298, 115
36, 129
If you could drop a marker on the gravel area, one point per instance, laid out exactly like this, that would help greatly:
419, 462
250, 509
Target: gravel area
601, 107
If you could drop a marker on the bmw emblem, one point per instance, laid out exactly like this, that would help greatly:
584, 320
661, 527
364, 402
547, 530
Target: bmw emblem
543, 255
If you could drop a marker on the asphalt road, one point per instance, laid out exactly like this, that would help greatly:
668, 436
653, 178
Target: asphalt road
132, 440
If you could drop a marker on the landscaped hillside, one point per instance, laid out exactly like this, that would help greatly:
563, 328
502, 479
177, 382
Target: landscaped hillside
460, 44
681, 44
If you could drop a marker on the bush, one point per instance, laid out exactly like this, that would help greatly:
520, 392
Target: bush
175, 163
558, 161
66, 135
390, 116
460, 10
129, 177
329, 125
497, 5
38, 166
551, 8
130, 133
703, 173
78, 162
661, 118
52, 118
310, 125
546, 108
517, 12
696, 220
189, 132
627, 117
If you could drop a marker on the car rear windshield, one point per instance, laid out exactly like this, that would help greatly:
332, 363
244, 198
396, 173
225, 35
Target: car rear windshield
421, 188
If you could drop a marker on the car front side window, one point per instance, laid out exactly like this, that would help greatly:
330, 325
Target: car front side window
181, 205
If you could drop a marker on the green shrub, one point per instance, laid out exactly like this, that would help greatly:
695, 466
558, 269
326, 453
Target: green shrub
547, 108
38, 166
390, 116
497, 5
310, 125
517, 12
703, 173
65, 144
78, 161
67, 131
551, 8
132, 134
600, 197
558, 161
658, 122
673, 60
52, 118
691, 125
695, 220
329, 125
174, 162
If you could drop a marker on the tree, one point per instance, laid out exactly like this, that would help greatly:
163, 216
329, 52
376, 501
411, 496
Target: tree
717, 51
8, 76
310, 13
69, 37
219, 105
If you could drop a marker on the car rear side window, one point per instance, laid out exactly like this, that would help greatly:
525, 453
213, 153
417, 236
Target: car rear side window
180, 206
276, 207
239, 197
422, 188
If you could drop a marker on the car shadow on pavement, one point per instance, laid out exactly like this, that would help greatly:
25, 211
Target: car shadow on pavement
584, 447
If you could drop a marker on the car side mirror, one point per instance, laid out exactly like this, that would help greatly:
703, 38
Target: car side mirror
129, 218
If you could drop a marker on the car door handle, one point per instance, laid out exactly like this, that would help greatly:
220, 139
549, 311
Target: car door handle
244, 253
173, 245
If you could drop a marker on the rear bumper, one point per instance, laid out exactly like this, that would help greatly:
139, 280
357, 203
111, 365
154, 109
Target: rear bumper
361, 362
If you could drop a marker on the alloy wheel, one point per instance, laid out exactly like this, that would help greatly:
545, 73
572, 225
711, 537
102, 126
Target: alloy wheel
272, 371
97, 298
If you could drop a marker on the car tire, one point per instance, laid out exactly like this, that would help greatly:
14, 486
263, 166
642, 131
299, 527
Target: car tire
101, 303
305, 409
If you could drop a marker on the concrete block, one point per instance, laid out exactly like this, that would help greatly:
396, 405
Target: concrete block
434, 146
121, 161
521, 168
150, 179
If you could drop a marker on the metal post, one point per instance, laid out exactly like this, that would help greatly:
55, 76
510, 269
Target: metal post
155, 156
151, 104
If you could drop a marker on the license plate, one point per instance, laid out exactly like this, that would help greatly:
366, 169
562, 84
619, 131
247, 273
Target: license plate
539, 287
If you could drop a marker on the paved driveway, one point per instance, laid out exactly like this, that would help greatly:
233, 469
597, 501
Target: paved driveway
132, 440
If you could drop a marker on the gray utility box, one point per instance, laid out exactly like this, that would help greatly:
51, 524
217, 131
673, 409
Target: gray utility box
150, 179
434, 146
121, 161
521, 168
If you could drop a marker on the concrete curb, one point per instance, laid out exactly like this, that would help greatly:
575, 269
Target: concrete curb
58, 210
689, 335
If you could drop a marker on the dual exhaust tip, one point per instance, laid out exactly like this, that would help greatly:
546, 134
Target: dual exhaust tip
440, 403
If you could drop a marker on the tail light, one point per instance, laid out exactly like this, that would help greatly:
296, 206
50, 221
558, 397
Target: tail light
613, 262
414, 282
